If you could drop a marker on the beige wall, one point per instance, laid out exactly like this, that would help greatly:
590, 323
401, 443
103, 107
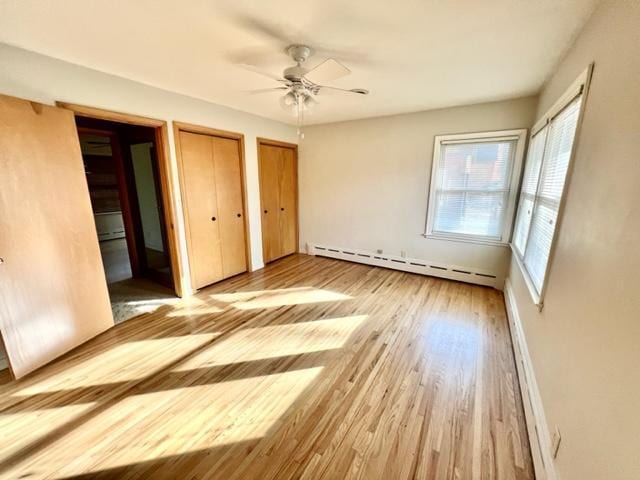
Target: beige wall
364, 184
44, 79
585, 344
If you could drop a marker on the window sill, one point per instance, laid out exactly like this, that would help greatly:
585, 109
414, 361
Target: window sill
535, 297
465, 239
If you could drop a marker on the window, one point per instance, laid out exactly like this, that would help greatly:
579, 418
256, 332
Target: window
474, 186
543, 186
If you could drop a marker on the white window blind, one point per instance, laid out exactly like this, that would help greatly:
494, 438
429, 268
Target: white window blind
542, 189
471, 188
528, 190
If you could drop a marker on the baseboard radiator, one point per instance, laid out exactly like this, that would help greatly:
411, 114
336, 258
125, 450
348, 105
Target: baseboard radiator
413, 265
539, 437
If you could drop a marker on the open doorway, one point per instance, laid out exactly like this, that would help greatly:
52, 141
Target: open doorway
122, 171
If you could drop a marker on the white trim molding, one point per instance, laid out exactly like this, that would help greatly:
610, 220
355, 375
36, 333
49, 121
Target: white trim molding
412, 265
537, 427
580, 86
535, 297
519, 136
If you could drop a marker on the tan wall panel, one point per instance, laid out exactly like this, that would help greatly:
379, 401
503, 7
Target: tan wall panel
53, 293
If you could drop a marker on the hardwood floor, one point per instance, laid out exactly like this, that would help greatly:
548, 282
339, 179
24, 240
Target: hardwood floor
311, 368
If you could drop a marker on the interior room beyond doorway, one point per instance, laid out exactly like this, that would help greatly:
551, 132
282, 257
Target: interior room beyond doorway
121, 167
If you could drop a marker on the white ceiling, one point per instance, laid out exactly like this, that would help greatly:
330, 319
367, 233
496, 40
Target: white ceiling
411, 54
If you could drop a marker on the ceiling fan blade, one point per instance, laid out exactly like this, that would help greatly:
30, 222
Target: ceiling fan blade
254, 69
327, 71
265, 90
325, 89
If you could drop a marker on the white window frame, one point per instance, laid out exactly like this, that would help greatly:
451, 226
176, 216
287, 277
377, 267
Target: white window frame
579, 87
520, 136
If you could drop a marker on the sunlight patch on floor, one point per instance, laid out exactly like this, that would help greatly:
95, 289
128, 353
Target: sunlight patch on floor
194, 311
134, 296
20, 428
261, 343
147, 306
122, 362
226, 413
278, 298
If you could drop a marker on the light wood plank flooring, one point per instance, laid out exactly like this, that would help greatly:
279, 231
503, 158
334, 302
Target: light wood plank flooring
311, 368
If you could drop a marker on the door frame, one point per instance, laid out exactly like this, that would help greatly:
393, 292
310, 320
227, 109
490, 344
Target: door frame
260, 141
213, 132
167, 190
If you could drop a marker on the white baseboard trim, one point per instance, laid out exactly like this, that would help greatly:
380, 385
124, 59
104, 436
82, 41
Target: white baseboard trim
539, 438
413, 265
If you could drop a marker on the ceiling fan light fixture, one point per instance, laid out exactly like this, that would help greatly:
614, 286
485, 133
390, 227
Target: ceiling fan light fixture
302, 84
289, 99
288, 105
309, 103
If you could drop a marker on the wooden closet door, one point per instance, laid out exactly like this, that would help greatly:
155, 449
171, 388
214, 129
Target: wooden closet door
226, 155
205, 253
270, 168
53, 292
288, 215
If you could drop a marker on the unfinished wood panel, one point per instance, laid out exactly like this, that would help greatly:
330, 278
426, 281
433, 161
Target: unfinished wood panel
288, 192
201, 208
53, 293
270, 162
311, 368
228, 169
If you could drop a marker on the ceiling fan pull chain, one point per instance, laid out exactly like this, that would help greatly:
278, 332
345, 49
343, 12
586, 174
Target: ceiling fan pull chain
300, 104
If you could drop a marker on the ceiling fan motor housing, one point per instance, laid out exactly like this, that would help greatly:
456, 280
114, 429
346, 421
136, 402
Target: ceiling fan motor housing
295, 74
300, 93
299, 53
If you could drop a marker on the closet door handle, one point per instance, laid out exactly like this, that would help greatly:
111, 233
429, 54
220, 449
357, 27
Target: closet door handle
282, 209
266, 211
213, 219
239, 215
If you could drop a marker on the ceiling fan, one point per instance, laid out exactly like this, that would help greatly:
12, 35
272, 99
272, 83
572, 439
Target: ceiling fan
302, 84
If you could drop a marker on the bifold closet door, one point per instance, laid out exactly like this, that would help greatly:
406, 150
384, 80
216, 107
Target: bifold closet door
278, 194
214, 206
228, 170
288, 215
199, 193
53, 292
270, 166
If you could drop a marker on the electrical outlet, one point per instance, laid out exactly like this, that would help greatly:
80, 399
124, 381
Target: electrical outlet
379, 250
555, 442
403, 253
